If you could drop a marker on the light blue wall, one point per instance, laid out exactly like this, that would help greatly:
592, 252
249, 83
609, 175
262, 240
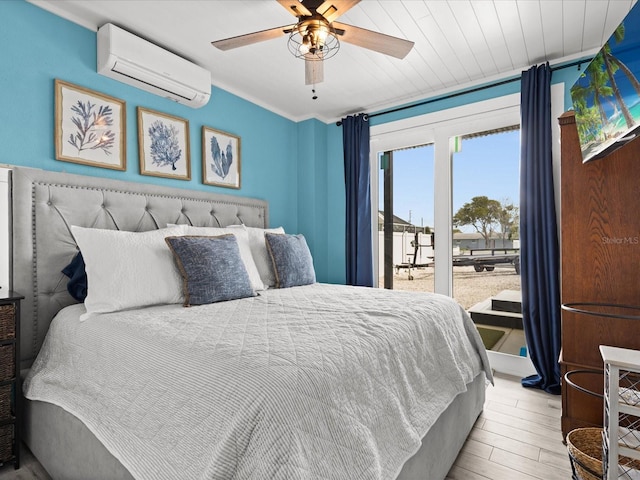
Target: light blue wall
311, 184
37, 47
335, 205
321, 196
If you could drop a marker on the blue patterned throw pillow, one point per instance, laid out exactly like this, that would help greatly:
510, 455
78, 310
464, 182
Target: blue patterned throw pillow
292, 262
211, 268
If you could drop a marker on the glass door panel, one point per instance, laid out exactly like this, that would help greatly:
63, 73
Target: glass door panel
405, 237
486, 245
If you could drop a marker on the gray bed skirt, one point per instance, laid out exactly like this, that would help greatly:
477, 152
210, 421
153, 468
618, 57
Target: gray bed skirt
69, 451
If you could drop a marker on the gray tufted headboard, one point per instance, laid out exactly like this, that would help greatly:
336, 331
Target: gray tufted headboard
45, 204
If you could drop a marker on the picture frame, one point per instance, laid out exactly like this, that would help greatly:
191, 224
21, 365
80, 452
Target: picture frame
221, 158
90, 127
163, 144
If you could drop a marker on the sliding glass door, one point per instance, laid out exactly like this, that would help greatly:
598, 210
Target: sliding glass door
434, 133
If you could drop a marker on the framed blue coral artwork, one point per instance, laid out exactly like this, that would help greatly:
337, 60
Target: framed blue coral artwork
220, 158
89, 127
163, 144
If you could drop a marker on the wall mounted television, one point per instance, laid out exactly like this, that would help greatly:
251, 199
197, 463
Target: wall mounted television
606, 96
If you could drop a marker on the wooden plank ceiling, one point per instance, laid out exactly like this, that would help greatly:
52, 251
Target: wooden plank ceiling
458, 44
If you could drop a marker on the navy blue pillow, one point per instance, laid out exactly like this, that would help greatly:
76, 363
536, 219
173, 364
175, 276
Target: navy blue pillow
211, 267
292, 261
77, 284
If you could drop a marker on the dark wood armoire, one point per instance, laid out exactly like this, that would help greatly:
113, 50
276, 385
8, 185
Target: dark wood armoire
600, 263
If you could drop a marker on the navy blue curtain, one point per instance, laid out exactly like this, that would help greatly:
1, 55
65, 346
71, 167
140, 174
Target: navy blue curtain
355, 136
539, 253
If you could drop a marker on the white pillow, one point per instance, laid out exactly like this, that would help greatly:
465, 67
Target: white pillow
261, 255
128, 269
242, 238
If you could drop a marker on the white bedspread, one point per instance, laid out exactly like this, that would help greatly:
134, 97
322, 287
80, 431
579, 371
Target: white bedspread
321, 381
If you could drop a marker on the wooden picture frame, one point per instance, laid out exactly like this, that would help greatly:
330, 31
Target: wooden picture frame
90, 127
221, 159
163, 144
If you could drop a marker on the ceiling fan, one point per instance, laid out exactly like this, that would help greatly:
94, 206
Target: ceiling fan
317, 35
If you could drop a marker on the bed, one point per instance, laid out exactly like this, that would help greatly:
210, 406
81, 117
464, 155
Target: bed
290, 383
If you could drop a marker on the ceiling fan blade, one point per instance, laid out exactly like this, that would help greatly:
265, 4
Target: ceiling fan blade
295, 8
313, 72
249, 38
378, 42
332, 9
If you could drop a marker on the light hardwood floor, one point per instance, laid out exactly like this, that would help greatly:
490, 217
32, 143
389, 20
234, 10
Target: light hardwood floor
517, 437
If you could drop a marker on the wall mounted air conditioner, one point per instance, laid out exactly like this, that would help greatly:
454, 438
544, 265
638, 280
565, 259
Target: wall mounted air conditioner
137, 62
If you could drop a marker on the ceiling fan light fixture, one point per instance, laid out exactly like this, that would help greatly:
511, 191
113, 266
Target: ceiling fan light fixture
303, 49
321, 34
313, 39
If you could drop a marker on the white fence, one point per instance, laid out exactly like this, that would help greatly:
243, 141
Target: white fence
403, 248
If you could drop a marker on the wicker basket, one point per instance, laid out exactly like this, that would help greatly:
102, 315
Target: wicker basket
6, 362
6, 442
5, 401
7, 322
585, 453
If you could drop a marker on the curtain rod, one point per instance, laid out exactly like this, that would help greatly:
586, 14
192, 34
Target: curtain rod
465, 92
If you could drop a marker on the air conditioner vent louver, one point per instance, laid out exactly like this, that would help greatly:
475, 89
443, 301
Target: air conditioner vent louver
137, 62
152, 80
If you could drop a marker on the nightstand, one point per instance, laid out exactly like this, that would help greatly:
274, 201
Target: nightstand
10, 377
